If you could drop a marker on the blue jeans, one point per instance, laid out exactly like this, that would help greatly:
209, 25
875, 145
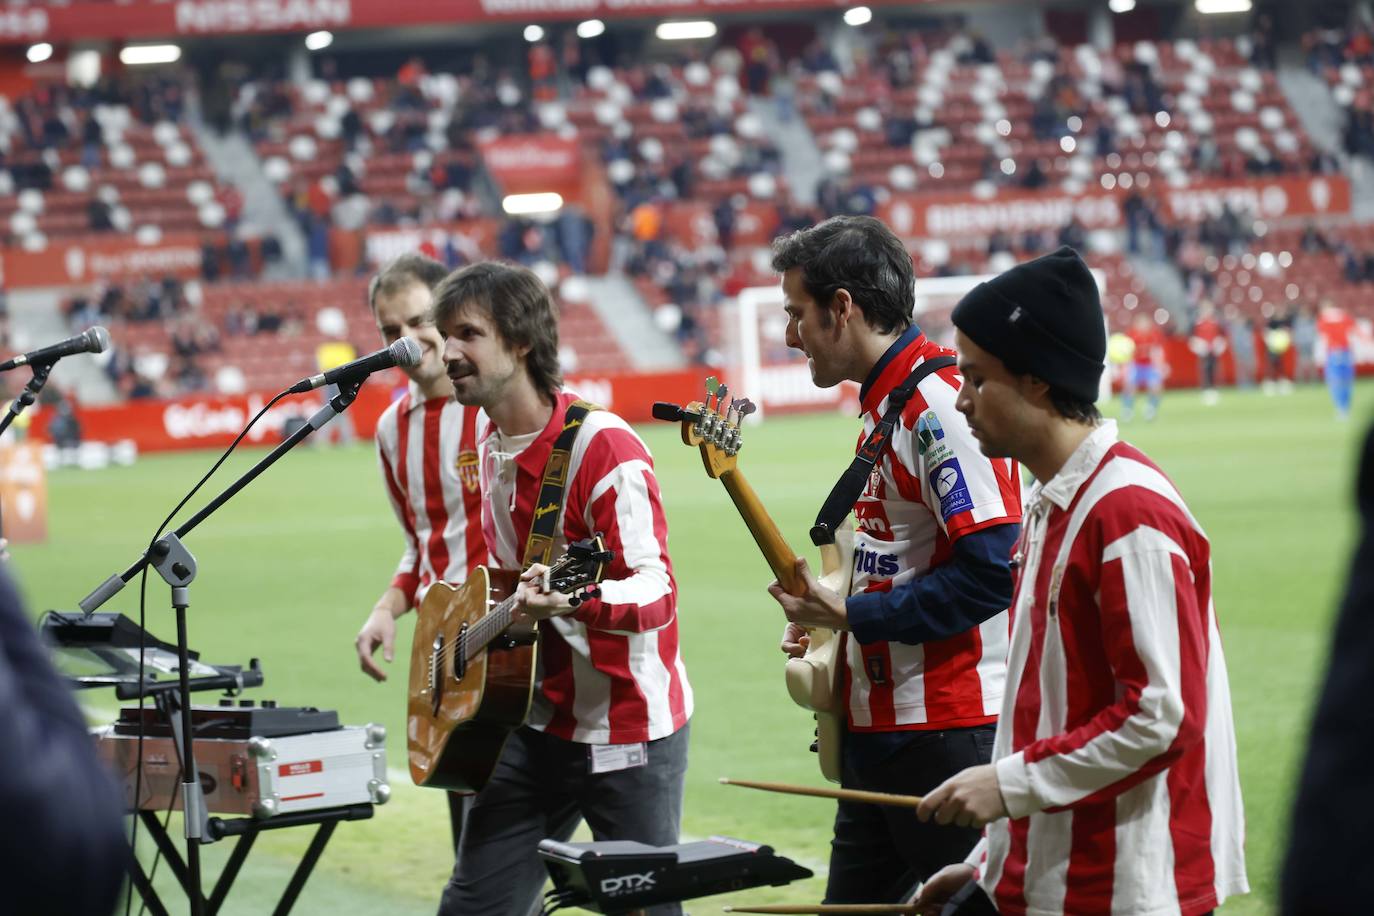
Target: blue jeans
541, 787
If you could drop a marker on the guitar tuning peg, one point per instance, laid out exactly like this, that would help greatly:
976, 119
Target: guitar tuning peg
721, 392
712, 383
746, 407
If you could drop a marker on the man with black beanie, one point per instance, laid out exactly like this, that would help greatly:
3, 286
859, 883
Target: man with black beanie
923, 624
1113, 786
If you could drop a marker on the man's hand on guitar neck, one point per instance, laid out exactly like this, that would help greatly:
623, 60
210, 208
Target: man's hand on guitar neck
814, 605
534, 599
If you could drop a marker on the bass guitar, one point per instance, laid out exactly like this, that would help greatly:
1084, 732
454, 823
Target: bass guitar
813, 681
472, 668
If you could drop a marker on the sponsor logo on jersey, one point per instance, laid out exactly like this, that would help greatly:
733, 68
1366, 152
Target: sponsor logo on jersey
947, 480
928, 431
876, 667
874, 563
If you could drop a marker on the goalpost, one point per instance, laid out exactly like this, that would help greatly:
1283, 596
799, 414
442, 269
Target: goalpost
776, 378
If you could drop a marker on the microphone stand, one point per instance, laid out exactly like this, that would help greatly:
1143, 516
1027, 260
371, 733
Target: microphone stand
26, 397
177, 566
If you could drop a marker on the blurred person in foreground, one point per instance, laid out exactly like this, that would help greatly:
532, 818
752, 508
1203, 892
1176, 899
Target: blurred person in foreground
1113, 786
1326, 871
64, 849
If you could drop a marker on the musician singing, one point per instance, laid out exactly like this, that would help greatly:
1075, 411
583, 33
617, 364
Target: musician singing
926, 614
607, 732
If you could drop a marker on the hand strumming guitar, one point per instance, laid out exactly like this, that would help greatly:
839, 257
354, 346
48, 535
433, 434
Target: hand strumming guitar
534, 599
814, 605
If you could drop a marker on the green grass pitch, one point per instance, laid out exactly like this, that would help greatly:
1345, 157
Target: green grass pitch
290, 568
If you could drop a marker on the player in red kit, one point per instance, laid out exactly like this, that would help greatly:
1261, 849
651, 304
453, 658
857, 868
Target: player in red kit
1146, 369
1208, 342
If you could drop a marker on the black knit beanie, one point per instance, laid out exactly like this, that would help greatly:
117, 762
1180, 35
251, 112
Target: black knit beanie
1041, 318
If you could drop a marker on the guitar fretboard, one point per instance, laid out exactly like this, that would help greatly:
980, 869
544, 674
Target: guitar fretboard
481, 634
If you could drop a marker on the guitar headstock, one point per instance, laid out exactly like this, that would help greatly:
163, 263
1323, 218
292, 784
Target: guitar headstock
578, 571
713, 426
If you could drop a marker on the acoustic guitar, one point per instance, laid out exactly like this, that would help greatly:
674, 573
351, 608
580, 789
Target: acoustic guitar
472, 668
813, 681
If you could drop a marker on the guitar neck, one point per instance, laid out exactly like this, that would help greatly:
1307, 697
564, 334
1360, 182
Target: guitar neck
780, 557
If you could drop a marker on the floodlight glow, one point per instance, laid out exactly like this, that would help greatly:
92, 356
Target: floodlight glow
527, 204
1120, 6
39, 52
134, 55
534, 33
685, 31
859, 15
318, 41
1223, 6
591, 28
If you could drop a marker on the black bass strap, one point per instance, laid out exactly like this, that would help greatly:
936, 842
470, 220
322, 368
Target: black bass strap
840, 502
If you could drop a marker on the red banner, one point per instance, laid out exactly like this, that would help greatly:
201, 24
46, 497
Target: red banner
117, 257
916, 215
163, 19
530, 163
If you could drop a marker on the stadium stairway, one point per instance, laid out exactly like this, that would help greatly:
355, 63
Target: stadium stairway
234, 161
1323, 120
1312, 103
629, 318
801, 157
1163, 281
35, 321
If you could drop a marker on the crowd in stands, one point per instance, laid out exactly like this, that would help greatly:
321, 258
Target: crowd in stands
1344, 57
697, 179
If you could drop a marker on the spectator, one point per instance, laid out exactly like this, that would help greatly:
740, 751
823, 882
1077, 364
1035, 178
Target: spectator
1305, 367
1241, 332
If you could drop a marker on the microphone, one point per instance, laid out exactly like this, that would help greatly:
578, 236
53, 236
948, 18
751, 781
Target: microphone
95, 340
404, 352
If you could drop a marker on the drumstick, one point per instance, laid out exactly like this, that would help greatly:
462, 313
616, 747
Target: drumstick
826, 908
853, 795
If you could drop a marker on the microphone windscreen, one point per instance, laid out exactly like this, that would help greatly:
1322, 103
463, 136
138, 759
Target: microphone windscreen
97, 339
407, 352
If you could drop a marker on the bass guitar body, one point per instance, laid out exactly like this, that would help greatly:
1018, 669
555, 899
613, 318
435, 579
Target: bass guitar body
814, 680
461, 710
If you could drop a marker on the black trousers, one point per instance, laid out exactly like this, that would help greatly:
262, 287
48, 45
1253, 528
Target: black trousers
879, 852
540, 788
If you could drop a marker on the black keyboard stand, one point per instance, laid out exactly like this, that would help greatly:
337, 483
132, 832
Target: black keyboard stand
247, 830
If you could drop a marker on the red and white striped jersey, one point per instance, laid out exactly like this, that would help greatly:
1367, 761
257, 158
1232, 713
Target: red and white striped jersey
428, 454
610, 672
932, 486
1115, 752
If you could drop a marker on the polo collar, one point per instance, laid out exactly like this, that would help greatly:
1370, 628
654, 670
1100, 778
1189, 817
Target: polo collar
414, 398
1064, 486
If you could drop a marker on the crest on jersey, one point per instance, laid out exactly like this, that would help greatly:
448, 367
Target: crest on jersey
468, 470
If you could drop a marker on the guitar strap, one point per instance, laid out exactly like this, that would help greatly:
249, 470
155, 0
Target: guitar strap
840, 502
547, 509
